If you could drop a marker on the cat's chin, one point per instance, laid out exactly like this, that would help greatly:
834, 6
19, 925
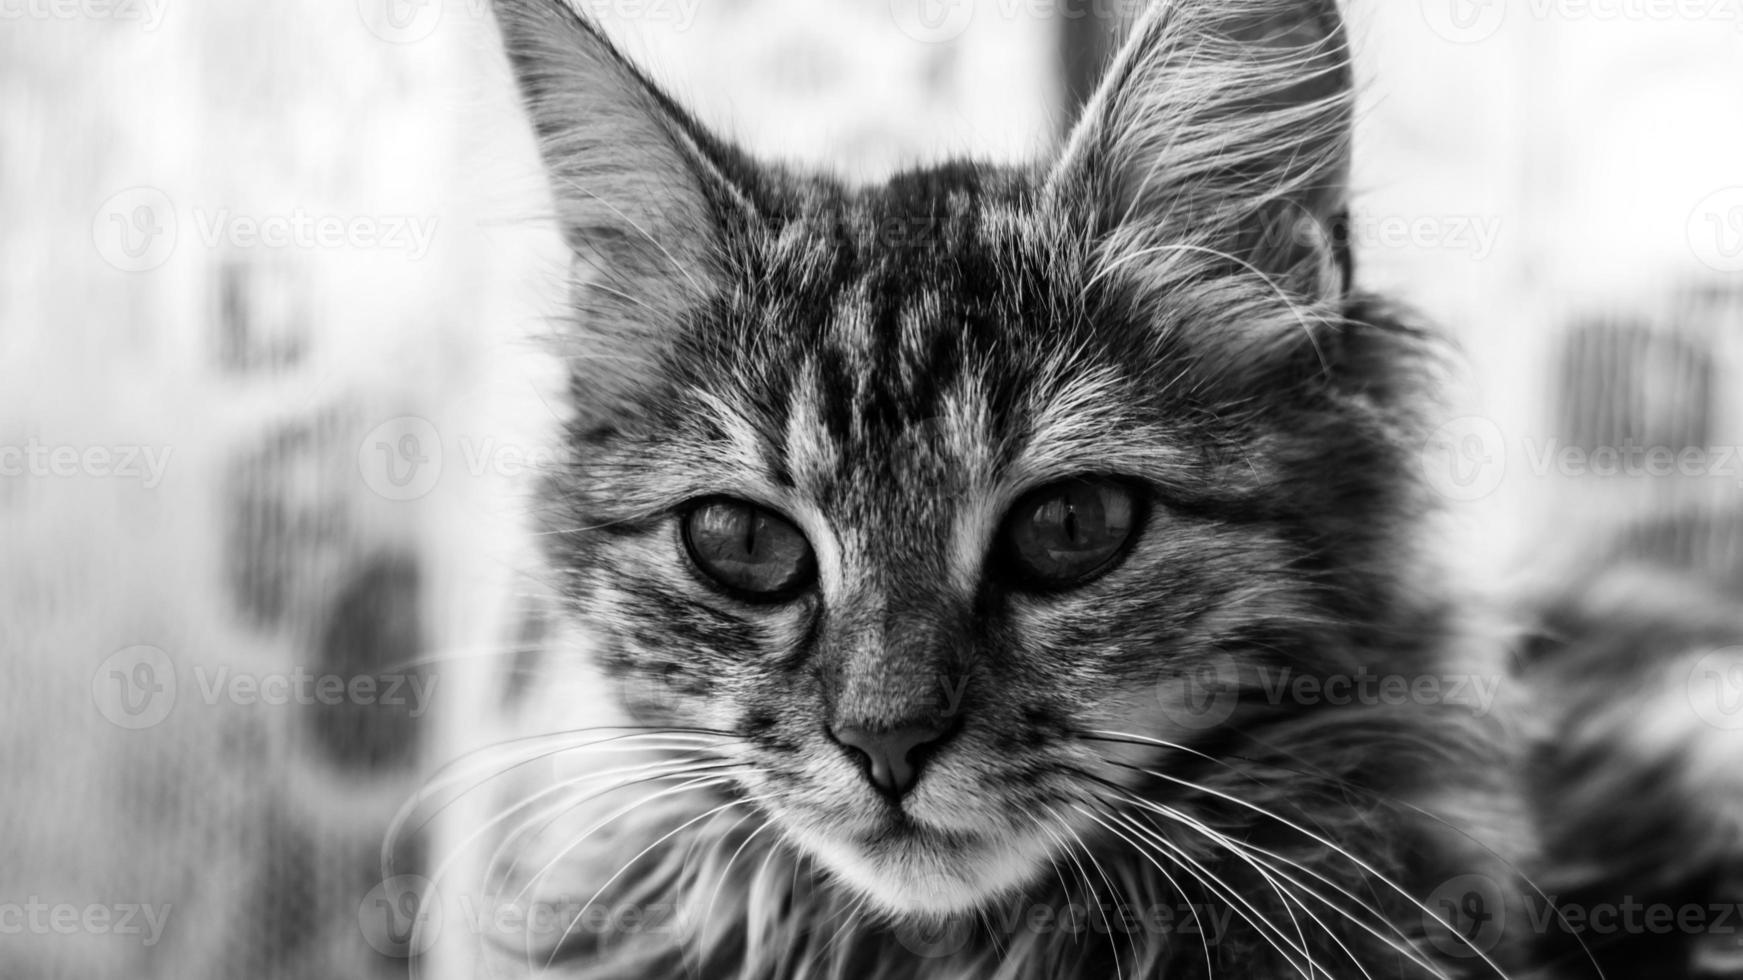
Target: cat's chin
916, 873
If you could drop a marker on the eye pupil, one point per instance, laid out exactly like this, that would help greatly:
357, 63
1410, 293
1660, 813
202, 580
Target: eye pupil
748, 549
1066, 534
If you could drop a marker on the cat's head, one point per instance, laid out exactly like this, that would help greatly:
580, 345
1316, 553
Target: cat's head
914, 487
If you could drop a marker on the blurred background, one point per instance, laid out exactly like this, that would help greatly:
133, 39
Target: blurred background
270, 383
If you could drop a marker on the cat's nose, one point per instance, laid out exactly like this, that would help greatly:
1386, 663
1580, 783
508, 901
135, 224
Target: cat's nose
893, 755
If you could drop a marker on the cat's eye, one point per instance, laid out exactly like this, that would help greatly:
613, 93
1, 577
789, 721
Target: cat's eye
1067, 533
749, 549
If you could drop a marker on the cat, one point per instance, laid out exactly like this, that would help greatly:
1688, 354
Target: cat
1636, 762
1007, 572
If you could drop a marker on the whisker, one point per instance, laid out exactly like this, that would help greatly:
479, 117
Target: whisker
1090, 855
1204, 937
1204, 876
725, 871
759, 899
678, 768
703, 782
1243, 851
729, 804
1066, 848
447, 774
1338, 849
1064, 889
1289, 896
695, 783
1375, 795
1400, 945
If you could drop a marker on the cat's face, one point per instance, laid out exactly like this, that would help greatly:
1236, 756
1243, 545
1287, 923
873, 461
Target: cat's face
915, 489
890, 486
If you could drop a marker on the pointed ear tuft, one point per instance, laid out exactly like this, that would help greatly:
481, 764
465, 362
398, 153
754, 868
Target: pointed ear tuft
1222, 130
639, 187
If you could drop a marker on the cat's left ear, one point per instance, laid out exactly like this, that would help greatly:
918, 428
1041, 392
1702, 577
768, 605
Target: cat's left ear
644, 194
1222, 127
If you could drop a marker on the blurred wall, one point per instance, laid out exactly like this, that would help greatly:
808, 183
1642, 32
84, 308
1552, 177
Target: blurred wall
1527, 169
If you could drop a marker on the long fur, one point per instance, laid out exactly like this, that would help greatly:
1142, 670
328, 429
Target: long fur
891, 368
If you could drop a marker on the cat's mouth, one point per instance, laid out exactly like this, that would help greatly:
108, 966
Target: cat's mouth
908, 866
903, 830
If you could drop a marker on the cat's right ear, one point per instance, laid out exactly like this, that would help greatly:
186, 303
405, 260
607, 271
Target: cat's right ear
1221, 133
639, 186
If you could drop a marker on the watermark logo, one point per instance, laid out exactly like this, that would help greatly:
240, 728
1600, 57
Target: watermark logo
1191, 922
135, 687
139, 686
1465, 459
1205, 696
1471, 21
1629, 916
932, 21
301, 229
306, 688
1715, 230
1473, 234
411, 21
404, 916
1475, 693
936, 450
135, 230
1290, 228
401, 459
550, 922
680, 14
1636, 11
401, 21
1466, 916
1633, 460
34, 917
147, 13
138, 229
41, 460
1208, 695
1715, 688
405, 458
1465, 21
401, 917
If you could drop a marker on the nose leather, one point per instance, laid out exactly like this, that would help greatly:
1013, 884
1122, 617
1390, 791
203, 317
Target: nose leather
889, 753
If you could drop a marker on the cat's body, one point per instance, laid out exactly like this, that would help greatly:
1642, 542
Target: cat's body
1635, 773
1011, 572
